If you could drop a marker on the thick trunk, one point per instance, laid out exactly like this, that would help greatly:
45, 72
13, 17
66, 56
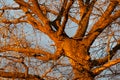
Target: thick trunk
81, 71
79, 59
82, 75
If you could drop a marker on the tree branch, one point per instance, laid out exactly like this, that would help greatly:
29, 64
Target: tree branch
37, 53
83, 24
102, 61
27, 51
43, 23
35, 9
56, 13
82, 8
65, 14
98, 70
19, 75
15, 21
57, 21
102, 23
9, 8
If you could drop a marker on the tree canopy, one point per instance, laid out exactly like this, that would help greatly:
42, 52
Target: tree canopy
59, 39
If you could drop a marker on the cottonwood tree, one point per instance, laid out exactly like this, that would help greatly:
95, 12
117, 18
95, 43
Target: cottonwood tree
82, 38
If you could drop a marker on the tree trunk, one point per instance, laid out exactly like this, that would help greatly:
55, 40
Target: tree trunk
80, 72
79, 58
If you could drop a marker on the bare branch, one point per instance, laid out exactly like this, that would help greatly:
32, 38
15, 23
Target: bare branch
10, 8
102, 61
36, 9
65, 14
83, 24
42, 24
15, 21
25, 6
27, 51
96, 71
82, 8
19, 75
57, 21
105, 20
38, 53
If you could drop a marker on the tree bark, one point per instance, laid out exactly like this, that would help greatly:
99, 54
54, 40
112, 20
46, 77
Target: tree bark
79, 58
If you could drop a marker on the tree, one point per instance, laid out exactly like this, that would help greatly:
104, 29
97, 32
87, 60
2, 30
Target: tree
84, 53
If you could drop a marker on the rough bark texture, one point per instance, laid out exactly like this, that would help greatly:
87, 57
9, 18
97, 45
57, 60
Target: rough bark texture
75, 48
79, 59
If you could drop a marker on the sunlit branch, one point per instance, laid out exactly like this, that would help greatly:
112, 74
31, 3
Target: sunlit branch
56, 23
54, 56
19, 75
104, 16
10, 8
26, 51
102, 23
70, 49
18, 60
73, 19
2, 13
37, 53
22, 3
98, 70
56, 13
82, 8
13, 58
83, 24
103, 60
42, 24
25, 6
65, 15
36, 9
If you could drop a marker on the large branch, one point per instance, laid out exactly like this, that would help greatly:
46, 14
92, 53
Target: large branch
102, 23
35, 8
36, 53
82, 8
43, 23
56, 22
98, 70
83, 24
26, 51
65, 15
19, 75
